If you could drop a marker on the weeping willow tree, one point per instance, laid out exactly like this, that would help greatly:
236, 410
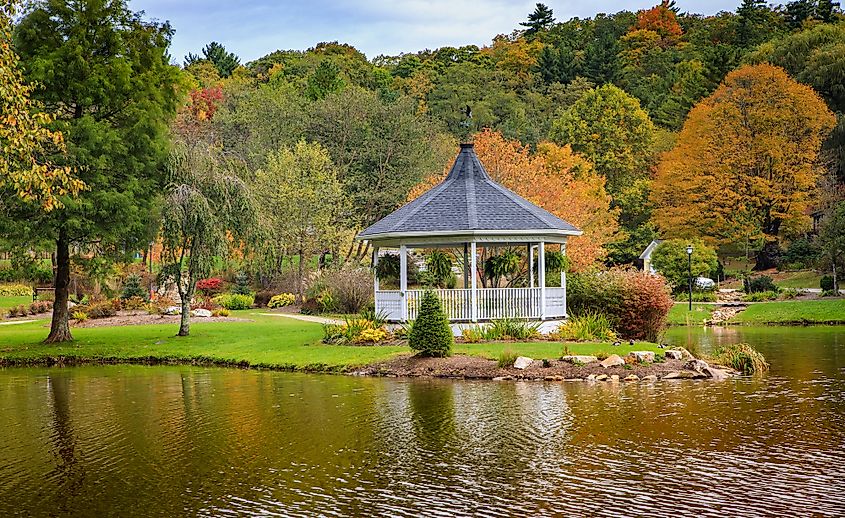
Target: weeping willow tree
207, 212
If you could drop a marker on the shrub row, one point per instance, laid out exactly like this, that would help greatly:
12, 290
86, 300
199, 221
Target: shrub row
15, 290
36, 308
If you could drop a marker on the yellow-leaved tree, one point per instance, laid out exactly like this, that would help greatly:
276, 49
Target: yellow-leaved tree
25, 139
746, 163
556, 179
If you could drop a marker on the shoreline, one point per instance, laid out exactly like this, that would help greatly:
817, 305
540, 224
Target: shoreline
405, 365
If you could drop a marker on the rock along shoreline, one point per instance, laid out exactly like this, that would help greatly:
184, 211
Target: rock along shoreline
635, 367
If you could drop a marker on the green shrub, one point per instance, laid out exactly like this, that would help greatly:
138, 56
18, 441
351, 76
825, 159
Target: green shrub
507, 358
760, 296
511, 328
788, 294
132, 288
698, 296
281, 300
430, 334
15, 290
741, 357
233, 301
671, 261
473, 334
439, 267
588, 326
800, 253
242, 284
761, 283
826, 283
829, 293
79, 316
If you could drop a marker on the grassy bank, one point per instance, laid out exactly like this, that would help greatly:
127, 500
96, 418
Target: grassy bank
8, 302
794, 312
680, 315
264, 341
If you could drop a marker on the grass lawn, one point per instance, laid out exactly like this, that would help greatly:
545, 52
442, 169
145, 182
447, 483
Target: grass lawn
805, 279
8, 302
680, 315
794, 312
266, 341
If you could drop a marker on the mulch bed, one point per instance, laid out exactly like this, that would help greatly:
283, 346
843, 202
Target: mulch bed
473, 367
136, 318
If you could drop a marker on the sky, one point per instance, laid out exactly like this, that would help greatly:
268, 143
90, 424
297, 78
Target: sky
254, 28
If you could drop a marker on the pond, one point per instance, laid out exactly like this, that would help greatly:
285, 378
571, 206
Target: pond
134, 440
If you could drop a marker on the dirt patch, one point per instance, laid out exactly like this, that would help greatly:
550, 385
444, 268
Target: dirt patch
136, 318
473, 367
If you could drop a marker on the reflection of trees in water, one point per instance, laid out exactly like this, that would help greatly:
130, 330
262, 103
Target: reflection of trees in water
432, 407
69, 471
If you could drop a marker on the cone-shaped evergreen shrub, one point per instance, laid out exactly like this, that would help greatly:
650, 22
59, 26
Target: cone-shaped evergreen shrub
132, 288
242, 284
430, 334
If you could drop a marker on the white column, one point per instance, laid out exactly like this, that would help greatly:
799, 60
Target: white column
403, 280
541, 273
531, 265
563, 279
375, 270
474, 283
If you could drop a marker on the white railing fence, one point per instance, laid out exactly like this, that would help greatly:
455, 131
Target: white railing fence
493, 303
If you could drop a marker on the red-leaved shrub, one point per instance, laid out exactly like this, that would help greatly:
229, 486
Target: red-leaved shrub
210, 286
636, 302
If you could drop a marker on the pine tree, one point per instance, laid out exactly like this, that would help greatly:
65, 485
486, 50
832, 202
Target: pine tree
242, 284
539, 21
431, 334
132, 288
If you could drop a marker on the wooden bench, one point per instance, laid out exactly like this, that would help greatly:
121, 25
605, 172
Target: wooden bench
37, 291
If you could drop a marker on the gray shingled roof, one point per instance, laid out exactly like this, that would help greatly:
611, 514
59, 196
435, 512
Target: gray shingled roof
467, 200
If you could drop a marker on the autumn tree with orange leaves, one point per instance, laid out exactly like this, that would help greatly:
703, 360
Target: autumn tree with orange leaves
556, 179
746, 163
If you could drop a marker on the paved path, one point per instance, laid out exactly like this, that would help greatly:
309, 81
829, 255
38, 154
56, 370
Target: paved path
17, 322
306, 318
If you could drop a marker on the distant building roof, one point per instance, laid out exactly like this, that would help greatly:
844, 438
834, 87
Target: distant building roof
467, 201
649, 249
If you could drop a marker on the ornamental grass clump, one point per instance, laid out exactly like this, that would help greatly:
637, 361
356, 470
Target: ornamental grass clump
591, 325
506, 359
430, 334
741, 357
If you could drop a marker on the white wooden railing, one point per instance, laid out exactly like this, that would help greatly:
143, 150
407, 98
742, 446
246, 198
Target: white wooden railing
493, 303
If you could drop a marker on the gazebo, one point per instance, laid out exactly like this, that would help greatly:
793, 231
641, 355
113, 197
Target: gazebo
469, 210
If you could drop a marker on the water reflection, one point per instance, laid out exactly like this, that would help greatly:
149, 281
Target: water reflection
178, 440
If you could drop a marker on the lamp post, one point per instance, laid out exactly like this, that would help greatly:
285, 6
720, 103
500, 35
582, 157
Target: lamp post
689, 273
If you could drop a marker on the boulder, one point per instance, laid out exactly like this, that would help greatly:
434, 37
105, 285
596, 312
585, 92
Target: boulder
716, 374
642, 356
674, 354
204, 313
522, 362
612, 361
601, 377
580, 359
173, 310
684, 375
631, 377
614, 378
685, 355
503, 378
650, 377
697, 366
591, 377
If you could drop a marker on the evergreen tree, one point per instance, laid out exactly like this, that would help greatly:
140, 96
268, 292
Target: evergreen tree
431, 334
225, 62
539, 21
106, 74
242, 284
132, 288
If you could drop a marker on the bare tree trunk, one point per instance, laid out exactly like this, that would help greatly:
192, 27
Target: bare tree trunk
300, 273
59, 327
185, 320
